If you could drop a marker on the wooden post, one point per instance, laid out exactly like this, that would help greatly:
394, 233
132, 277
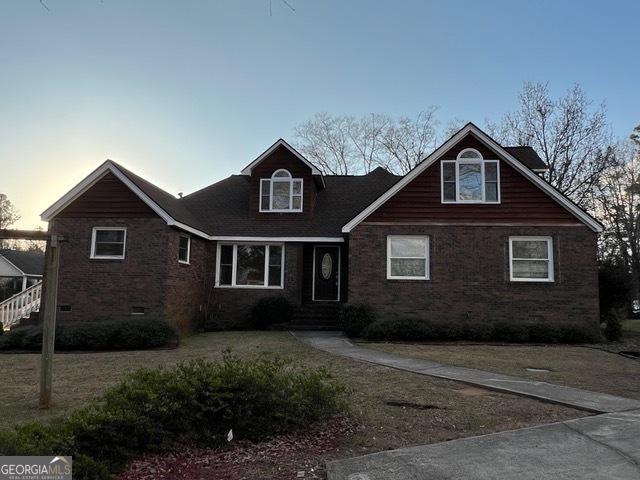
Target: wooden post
50, 286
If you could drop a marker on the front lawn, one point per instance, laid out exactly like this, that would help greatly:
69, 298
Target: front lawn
584, 367
390, 408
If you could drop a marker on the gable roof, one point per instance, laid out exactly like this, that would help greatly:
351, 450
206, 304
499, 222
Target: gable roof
168, 207
29, 263
224, 207
508, 157
280, 142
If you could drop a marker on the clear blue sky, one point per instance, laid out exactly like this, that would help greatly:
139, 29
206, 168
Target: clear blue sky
187, 92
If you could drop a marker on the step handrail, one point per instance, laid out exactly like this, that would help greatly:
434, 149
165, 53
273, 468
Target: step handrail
20, 305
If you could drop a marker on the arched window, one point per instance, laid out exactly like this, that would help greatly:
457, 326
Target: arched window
470, 179
281, 193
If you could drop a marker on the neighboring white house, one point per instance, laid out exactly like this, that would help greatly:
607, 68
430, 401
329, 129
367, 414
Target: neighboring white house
18, 271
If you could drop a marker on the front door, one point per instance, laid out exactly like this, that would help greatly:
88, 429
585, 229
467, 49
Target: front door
326, 274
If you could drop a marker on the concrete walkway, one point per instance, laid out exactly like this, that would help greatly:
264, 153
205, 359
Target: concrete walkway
600, 447
605, 446
338, 344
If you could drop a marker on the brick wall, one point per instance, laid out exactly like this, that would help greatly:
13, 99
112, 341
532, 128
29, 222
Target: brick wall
100, 289
187, 285
470, 276
231, 306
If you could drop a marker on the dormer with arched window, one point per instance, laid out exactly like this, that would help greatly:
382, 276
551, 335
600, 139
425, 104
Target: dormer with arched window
470, 179
281, 193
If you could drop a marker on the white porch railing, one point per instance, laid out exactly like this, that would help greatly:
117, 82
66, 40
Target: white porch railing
20, 306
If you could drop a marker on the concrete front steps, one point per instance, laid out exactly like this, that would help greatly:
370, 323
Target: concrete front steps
317, 316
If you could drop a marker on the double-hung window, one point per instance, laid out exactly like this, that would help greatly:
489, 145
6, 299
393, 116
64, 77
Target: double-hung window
281, 193
531, 259
470, 179
184, 249
407, 257
108, 243
250, 265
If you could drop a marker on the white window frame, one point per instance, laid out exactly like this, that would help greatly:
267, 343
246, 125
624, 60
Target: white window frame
290, 180
108, 257
188, 260
234, 266
427, 270
551, 276
458, 161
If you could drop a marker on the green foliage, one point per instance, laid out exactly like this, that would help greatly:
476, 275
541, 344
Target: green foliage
426, 330
129, 334
271, 310
612, 326
354, 318
198, 402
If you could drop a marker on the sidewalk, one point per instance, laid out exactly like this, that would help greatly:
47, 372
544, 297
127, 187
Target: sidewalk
605, 446
338, 344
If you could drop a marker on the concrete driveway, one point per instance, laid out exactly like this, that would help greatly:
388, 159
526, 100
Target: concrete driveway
600, 447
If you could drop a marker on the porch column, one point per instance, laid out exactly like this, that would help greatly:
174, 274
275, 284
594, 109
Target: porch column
24, 283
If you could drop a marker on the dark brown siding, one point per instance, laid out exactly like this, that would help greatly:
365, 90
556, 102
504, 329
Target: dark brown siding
108, 197
521, 201
282, 157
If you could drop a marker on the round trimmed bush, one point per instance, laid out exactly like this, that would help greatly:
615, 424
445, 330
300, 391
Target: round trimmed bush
271, 311
355, 318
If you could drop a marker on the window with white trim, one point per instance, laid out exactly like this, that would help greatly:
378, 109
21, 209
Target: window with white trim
470, 179
407, 257
250, 265
281, 193
108, 243
184, 249
531, 259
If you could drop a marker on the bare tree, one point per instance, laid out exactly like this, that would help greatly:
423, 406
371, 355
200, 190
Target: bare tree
570, 135
407, 141
340, 145
617, 198
325, 141
8, 213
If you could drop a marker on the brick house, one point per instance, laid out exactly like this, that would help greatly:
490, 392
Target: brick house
472, 232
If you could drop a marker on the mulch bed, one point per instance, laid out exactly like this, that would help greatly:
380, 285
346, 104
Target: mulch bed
292, 456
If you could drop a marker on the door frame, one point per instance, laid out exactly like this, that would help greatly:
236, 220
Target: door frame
338, 272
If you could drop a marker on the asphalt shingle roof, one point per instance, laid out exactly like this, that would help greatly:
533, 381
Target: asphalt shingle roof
528, 157
31, 263
224, 207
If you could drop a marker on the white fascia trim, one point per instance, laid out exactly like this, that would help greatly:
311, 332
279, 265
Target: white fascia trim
94, 177
435, 156
277, 239
267, 152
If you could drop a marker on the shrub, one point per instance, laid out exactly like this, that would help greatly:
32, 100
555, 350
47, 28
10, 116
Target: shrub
612, 326
198, 402
355, 318
426, 330
129, 334
271, 310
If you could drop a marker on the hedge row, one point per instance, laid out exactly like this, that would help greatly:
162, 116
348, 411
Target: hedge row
128, 334
198, 402
427, 330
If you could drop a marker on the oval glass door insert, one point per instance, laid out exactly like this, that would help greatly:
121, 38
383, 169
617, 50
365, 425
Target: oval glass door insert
327, 266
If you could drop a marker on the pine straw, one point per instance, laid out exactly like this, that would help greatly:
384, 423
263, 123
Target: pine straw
291, 456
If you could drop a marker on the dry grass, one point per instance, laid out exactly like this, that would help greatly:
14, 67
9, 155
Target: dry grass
460, 411
581, 367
